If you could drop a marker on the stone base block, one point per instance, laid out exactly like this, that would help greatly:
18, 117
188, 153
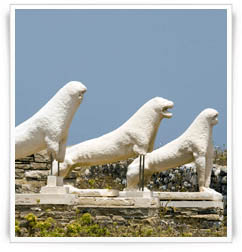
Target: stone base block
93, 192
185, 196
136, 194
54, 185
119, 202
42, 199
192, 204
55, 181
88, 202
54, 190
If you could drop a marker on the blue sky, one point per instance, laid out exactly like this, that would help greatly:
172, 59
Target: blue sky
125, 58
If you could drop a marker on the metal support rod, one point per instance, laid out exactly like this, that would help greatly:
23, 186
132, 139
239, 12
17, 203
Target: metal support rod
140, 160
58, 168
143, 172
51, 166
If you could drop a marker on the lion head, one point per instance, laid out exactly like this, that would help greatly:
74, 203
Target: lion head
75, 89
162, 105
211, 115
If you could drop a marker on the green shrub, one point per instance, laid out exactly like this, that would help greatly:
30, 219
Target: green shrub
84, 226
31, 220
91, 182
73, 229
45, 227
17, 228
220, 156
187, 234
86, 219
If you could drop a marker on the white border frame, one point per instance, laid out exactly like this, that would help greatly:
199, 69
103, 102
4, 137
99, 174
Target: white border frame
227, 7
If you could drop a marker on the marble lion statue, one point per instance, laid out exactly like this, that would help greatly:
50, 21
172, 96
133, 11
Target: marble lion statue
136, 136
194, 145
48, 128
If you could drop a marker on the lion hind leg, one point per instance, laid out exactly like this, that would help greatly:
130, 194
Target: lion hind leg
133, 176
62, 150
64, 169
147, 178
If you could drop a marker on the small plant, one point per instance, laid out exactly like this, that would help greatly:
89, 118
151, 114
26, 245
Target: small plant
91, 182
73, 229
86, 219
45, 227
220, 156
187, 234
147, 232
77, 211
86, 226
164, 209
31, 220
17, 228
31, 223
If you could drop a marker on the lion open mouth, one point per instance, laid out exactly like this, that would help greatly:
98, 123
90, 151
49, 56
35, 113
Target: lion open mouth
165, 111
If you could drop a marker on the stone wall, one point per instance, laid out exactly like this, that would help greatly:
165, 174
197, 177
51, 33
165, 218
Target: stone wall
31, 173
123, 222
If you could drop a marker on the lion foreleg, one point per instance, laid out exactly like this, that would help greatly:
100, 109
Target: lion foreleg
208, 171
209, 166
200, 162
62, 150
52, 147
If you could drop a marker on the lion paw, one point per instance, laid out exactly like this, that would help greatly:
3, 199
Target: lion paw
208, 190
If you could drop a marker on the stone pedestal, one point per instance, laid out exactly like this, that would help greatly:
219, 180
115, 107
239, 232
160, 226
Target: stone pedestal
93, 192
136, 194
188, 196
54, 185
190, 199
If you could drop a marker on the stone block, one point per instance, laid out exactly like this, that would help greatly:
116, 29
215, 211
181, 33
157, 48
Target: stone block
118, 219
103, 219
39, 166
104, 202
36, 175
93, 192
136, 194
120, 202
185, 196
54, 181
54, 190
54, 186
209, 217
192, 204
40, 199
22, 166
19, 173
